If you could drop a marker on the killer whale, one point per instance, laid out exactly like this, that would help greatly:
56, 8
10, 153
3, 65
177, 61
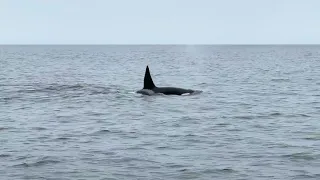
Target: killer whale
149, 88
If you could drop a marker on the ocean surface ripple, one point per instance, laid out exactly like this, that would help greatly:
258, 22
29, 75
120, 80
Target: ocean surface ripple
71, 112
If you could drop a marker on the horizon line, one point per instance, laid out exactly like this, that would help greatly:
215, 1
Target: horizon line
155, 44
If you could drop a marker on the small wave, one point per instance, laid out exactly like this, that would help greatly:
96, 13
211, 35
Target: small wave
104, 131
191, 135
131, 159
162, 147
313, 136
202, 84
174, 135
223, 124
61, 87
297, 115
244, 117
107, 153
182, 170
280, 80
293, 72
62, 138
172, 165
288, 94
305, 176
100, 132
39, 128
4, 155
258, 126
41, 162
235, 129
19, 158
276, 114
7, 99
304, 115
196, 92
136, 148
300, 156
73, 90
249, 117
223, 170
194, 141
4, 128
95, 113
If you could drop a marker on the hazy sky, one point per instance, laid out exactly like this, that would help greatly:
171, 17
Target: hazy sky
159, 21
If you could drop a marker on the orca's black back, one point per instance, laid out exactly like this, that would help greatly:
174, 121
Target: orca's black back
172, 90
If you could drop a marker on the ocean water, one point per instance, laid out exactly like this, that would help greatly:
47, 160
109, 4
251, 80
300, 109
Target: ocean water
71, 112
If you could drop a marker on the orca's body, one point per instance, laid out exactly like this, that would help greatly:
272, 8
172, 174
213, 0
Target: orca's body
149, 88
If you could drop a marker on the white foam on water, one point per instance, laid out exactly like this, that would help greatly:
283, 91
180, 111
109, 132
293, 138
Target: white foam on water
185, 94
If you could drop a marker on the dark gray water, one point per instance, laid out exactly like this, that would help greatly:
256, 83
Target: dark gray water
70, 112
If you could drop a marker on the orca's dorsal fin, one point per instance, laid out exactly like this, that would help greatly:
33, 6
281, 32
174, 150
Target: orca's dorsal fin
148, 83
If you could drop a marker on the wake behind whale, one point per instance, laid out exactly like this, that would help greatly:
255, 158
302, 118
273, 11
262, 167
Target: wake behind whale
149, 88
